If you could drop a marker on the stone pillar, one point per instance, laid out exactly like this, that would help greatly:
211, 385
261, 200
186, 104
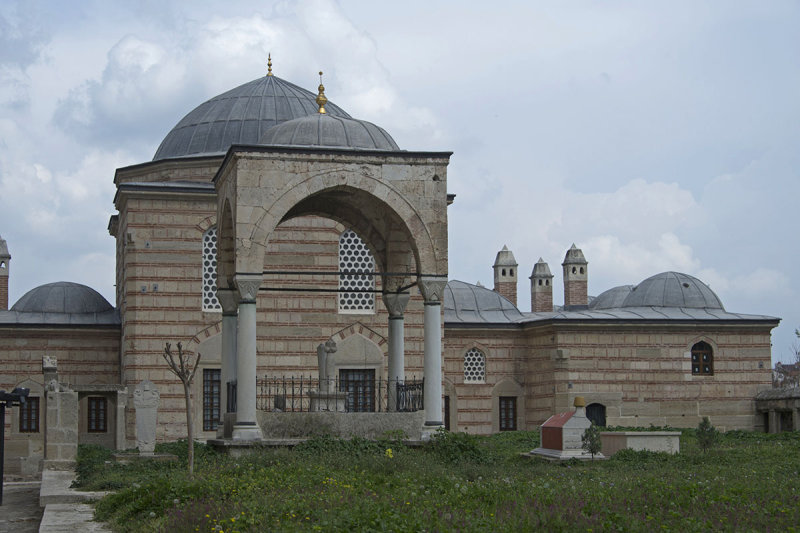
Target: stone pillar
795, 419
774, 421
432, 289
396, 305
120, 442
146, 399
227, 298
246, 426
61, 427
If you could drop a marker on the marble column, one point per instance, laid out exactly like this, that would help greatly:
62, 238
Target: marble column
396, 305
246, 426
432, 289
774, 421
228, 300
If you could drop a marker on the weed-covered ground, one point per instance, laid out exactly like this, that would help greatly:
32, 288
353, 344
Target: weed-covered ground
747, 482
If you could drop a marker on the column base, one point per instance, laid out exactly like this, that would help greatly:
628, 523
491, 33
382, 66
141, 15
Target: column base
247, 432
429, 429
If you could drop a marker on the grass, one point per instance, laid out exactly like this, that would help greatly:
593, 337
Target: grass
747, 482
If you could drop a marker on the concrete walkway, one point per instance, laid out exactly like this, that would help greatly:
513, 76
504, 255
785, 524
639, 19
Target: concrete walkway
67, 509
20, 512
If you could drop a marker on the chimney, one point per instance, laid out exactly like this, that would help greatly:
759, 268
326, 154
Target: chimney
5, 268
575, 279
541, 288
505, 275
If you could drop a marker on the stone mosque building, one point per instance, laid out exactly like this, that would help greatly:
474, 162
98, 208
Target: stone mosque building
285, 241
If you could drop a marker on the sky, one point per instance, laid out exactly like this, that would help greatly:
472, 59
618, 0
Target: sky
656, 136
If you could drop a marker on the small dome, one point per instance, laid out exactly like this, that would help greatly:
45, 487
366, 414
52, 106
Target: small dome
324, 130
239, 116
672, 289
612, 298
62, 297
464, 302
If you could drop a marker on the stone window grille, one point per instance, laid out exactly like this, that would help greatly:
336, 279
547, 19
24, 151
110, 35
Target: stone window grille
508, 413
474, 366
212, 398
98, 414
210, 300
702, 359
355, 256
29, 415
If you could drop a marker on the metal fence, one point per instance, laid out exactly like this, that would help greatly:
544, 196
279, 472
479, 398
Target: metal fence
357, 392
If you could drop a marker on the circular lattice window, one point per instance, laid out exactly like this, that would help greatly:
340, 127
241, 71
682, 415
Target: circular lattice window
354, 257
210, 301
474, 366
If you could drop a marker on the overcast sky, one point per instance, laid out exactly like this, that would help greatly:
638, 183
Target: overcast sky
655, 135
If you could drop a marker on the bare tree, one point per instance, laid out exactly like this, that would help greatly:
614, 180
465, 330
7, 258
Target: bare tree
181, 365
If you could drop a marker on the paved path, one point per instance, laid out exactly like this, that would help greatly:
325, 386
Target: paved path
20, 512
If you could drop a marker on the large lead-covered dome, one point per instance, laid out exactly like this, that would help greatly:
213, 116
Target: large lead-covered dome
240, 116
62, 297
672, 289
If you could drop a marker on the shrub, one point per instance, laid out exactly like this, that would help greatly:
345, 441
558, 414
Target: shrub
591, 440
706, 434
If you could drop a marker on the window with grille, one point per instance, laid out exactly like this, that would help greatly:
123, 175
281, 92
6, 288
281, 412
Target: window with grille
212, 398
508, 413
29, 415
210, 301
98, 414
360, 388
474, 366
702, 359
354, 256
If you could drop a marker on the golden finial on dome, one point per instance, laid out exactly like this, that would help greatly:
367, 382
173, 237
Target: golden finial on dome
321, 100
269, 64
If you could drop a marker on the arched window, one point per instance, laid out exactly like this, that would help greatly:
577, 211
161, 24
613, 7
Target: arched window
596, 413
354, 256
702, 359
474, 366
210, 301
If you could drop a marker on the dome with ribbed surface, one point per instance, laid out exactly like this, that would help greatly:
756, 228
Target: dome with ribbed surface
672, 289
326, 131
240, 116
612, 298
62, 297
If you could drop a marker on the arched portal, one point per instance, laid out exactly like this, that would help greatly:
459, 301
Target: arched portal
395, 201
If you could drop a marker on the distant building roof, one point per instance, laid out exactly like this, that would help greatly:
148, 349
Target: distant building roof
467, 303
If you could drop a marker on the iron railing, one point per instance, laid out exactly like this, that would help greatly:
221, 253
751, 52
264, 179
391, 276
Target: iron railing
357, 393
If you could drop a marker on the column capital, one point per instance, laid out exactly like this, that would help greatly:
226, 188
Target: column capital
396, 303
432, 289
247, 285
228, 299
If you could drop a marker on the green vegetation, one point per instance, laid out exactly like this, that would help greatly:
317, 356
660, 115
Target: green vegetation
591, 440
706, 434
747, 482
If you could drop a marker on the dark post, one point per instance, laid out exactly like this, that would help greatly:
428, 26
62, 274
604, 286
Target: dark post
15, 397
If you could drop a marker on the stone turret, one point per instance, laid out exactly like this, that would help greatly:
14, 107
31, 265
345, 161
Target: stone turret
5, 269
505, 274
541, 288
576, 276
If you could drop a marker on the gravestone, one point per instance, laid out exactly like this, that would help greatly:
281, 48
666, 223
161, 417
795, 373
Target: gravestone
562, 435
145, 400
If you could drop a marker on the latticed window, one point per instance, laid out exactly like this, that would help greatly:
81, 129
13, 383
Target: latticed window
211, 398
508, 413
474, 366
702, 359
29, 415
354, 256
210, 301
98, 414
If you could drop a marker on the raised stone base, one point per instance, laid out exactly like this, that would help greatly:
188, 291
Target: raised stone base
328, 401
565, 455
653, 441
247, 432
